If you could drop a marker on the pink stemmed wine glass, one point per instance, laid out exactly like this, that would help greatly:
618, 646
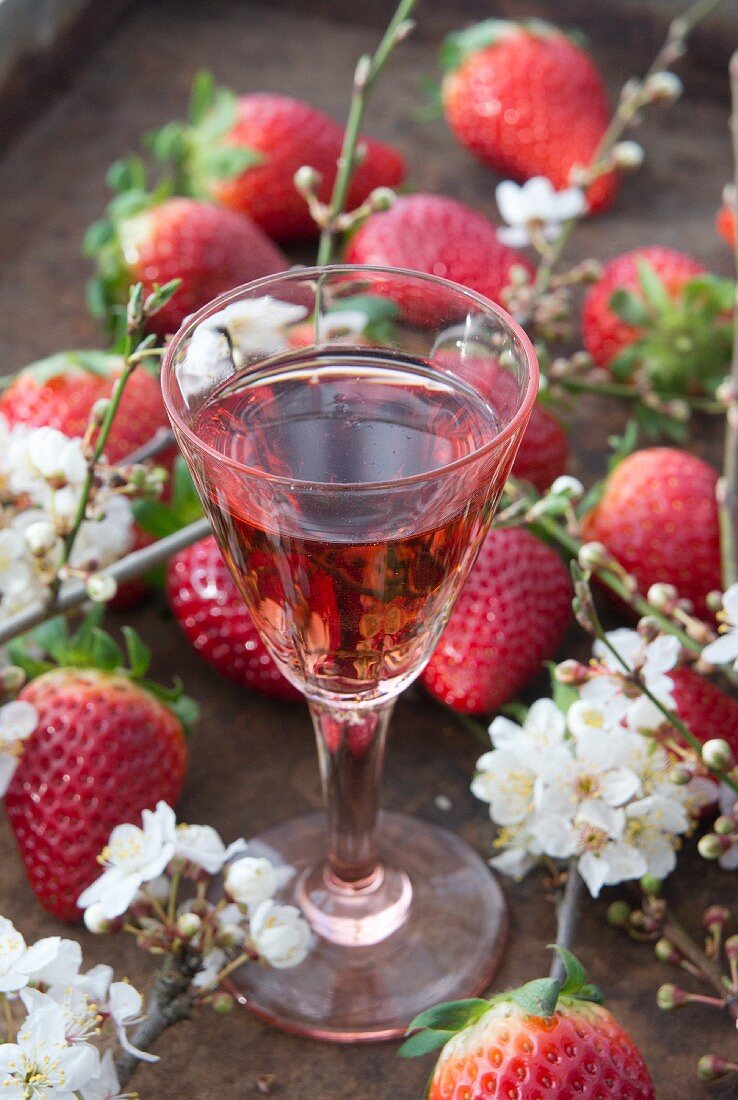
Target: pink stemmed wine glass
349, 431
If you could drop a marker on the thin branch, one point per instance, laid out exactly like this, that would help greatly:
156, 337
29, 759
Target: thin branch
727, 494
567, 914
160, 441
365, 75
673, 48
75, 594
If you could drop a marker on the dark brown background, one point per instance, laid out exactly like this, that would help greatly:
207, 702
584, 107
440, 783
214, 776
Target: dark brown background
252, 760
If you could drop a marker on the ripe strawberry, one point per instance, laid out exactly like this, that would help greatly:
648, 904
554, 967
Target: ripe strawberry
544, 450
725, 224
527, 100
704, 708
244, 152
438, 236
544, 1039
105, 749
658, 312
209, 248
212, 614
659, 518
59, 392
510, 617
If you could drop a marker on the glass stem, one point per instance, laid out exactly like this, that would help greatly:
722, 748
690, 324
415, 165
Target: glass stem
351, 745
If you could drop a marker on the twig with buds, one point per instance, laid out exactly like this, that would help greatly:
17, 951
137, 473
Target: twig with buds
727, 489
366, 73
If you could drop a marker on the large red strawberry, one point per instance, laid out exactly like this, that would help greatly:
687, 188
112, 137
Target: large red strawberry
543, 451
542, 1040
209, 248
510, 617
59, 392
707, 710
438, 236
244, 154
659, 518
658, 313
105, 748
212, 614
527, 100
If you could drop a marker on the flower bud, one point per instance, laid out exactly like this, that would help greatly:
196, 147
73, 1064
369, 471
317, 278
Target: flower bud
307, 180
648, 628
592, 554
618, 914
627, 155
680, 775
663, 87
572, 672
715, 918
714, 600
724, 825
250, 880
717, 755
711, 846
99, 411
731, 947
201, 906
670, 997
651, 885
223, 1002
382, 198
569, 487
12, 679
518, 275
101, 588
666, 952
229, 935
662, 596
711, 1067
188, 925
40, 537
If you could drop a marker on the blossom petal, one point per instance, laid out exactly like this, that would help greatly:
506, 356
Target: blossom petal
723, 650
511, 203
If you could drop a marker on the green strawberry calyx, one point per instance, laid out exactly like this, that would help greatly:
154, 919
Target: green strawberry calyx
684, 338
460, 45
112, 241
197, 152
102, 364
52, 646
541, 997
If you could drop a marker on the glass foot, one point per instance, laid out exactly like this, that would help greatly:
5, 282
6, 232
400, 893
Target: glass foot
438, 935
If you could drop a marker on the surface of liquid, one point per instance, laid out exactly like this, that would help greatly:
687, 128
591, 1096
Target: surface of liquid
349, 574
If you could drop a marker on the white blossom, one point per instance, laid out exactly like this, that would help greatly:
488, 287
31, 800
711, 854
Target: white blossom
104, 1085
45, 460
222, 342
567, 486
18, 720
41, 1055
18, 961
123, 1006
80, 1014
212, 964
342, 322
535, 204
133, 857
280, 934
62, 968
200, 846
724, 650
621, 700
250, 881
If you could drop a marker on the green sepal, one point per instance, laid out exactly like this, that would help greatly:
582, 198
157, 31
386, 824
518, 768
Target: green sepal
19, 653
100, 363
459, 45
576, 984
656, 425
202, 94
182, 706
423, 1042
225, 162
537, 998
138, 653
438, 1024
655, 293
52, 637
563, 695
629, 307
104, 652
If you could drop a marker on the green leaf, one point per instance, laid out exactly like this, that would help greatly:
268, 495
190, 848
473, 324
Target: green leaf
624, 363
19, 654
456, 47
576, 975
537, 998
97, 297
156, 518
630, 308
654, 292
139, 654
563, 694
187, 710
185, 500
202, 95
169, 143
227, 161
98, 235
127, 175
104, 652
53, 637
219, 118
452, 1015
423, 1042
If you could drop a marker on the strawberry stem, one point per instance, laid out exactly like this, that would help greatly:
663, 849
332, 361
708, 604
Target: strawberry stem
727, 491
365, 75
